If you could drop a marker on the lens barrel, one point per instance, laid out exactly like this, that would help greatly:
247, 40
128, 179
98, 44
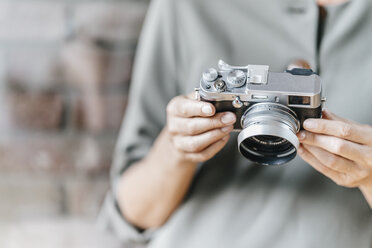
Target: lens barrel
269, 134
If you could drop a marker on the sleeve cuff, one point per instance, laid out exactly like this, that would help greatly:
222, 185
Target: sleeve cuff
111, 220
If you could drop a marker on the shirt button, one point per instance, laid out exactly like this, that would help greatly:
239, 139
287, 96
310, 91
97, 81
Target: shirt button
296, 7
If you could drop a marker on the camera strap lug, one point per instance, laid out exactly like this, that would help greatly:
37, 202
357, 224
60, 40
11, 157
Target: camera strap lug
197, 94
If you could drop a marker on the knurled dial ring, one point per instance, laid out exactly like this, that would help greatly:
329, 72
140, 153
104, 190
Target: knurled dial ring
236, 78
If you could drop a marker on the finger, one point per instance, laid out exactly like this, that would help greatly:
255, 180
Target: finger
209, 152
198, 143
345, 130
326, 3
341, 147
337, 177
182, 106
336, 162
198, 125
191, 95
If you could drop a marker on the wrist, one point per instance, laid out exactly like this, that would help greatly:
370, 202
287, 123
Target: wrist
366, 184
171, 157
367, 193
366, 188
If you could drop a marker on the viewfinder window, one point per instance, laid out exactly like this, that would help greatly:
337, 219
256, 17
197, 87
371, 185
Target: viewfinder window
299, 100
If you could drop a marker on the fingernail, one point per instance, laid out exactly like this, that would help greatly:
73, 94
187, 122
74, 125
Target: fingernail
225, 138
227, 129
206, 109
228, 118
310, 124
301, 135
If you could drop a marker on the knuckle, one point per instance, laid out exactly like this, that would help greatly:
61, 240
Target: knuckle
196, 159
215, 122
206, 155
338, 182
214, 135
182, 109
191, 127
191, 158
367, 172
338, 146
363, 174
171, 127
203, 157
170, 107
325, 170
217, 133
321, 126
346, 130
179, 148
310, 137
341, 180
192, 146
177, 144
368, 157
348, 181
331, 161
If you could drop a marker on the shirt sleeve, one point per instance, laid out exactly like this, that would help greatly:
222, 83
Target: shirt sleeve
154, 83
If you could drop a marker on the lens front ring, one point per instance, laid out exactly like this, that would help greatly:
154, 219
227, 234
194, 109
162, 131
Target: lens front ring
273, 108
269, 134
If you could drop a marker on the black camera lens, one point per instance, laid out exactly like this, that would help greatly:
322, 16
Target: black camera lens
268, 149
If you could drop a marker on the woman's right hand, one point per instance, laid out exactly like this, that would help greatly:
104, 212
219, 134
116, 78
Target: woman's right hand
196, 131
151, 189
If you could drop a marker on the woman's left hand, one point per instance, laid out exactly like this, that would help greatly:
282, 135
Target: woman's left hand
340, 149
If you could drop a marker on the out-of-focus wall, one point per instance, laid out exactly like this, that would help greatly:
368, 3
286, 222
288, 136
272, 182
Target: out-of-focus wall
64, 75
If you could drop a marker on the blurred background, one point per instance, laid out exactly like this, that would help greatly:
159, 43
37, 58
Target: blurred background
65, 69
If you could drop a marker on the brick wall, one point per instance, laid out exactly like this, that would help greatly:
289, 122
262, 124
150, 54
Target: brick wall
64, 75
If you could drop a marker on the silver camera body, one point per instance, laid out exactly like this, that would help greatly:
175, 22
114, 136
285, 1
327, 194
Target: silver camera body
270, 106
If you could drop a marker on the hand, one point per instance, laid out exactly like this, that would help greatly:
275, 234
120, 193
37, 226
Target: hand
340, 149
196, 131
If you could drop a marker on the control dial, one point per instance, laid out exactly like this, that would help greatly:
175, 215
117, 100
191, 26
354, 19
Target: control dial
210, 75
236, 78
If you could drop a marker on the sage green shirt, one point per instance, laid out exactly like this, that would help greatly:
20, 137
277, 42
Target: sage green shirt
231, 202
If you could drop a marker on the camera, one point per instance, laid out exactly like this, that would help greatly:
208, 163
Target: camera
270, 107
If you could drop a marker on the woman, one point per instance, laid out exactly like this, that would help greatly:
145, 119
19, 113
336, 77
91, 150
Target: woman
177, 175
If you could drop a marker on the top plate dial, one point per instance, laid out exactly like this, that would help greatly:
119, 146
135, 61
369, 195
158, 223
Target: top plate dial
236, 78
